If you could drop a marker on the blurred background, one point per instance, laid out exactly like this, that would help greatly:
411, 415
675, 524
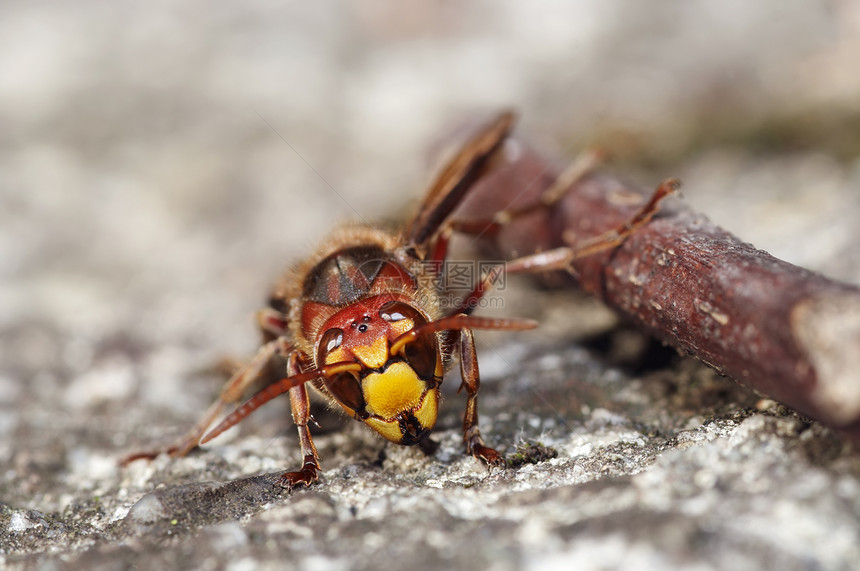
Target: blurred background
161, 162
154, 157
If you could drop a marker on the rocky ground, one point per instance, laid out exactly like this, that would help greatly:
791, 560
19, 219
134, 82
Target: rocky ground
160, 166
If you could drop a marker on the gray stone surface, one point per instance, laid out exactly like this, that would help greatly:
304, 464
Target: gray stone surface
160, 166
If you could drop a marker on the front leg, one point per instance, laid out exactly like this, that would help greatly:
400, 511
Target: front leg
472, 382
301, 410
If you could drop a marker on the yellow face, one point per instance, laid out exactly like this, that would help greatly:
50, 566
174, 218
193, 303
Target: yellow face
396, 394
401, 406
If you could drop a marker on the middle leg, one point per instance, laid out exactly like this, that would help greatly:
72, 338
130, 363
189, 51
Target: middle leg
472, 382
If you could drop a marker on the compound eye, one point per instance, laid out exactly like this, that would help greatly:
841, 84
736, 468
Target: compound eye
395, 311
330, 341
344, 386
422, 353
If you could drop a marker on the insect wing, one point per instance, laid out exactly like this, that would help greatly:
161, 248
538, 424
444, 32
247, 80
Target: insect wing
458, 176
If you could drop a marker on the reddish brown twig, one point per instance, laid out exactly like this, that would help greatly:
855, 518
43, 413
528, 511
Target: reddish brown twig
783, 331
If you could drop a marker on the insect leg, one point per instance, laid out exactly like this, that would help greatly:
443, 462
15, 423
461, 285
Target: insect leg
562, 258
272, 323
457, 178
301, 409
231, 394
471, 381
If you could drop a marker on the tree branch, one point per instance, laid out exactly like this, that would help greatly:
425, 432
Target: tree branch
783, 331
